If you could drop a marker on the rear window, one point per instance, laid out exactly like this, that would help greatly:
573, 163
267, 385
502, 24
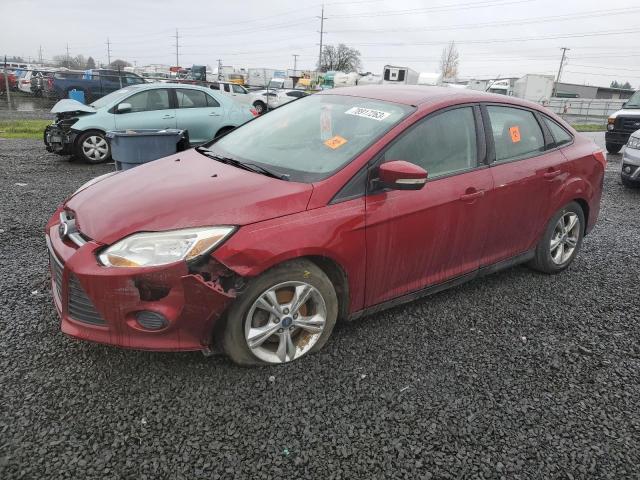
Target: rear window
560, 135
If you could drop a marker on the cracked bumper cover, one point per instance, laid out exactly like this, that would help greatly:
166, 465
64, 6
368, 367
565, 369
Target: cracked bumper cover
192, 305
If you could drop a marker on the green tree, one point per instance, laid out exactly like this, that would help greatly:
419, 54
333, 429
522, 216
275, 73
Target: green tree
91, 63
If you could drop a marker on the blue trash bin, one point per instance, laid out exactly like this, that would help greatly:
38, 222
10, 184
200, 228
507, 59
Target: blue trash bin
130, 148
77, 95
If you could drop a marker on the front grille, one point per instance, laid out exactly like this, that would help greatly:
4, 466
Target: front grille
80, 306
629, 124
56, 274
632, 169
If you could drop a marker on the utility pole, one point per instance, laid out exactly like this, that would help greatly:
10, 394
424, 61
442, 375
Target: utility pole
564, 53
295, 62
177, 37
40, 55
6, 83
220, 69
108, 51
68, 66
322, 19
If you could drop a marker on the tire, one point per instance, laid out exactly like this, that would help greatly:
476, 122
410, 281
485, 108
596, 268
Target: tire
554, 260
101, 151
630, 183
260, 107
613, 148
245, 315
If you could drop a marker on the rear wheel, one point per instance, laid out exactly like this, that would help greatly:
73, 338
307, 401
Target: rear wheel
561, 241
92, 147
613, 148
284, 314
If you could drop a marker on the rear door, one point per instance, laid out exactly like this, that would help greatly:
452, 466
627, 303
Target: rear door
199, 113
420, 238
149, 109
526, 175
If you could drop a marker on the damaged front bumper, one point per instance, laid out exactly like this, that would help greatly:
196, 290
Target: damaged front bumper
59, 140
167, 308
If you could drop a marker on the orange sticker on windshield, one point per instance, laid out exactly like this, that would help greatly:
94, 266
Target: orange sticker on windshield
515, 134
335, 142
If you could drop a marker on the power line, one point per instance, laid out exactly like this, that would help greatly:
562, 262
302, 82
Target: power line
441, 8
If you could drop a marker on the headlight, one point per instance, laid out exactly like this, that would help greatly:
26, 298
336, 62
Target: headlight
634, 142
161, 248
93, 181
610, 123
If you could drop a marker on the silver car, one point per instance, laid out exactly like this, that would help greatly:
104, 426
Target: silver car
631, 161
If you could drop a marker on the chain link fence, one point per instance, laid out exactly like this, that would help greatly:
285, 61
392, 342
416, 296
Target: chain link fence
592, 111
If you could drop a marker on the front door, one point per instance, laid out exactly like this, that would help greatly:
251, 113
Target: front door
149, 109
199, 113
419, 238
526, 178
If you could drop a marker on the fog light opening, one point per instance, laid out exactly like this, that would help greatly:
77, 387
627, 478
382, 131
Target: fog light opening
151, 320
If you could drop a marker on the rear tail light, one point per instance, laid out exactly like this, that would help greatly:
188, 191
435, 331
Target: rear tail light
254, 112
600, 157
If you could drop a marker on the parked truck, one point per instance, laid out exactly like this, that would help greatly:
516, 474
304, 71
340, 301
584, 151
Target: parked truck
399, 75
260, 77
536, 88
94, 83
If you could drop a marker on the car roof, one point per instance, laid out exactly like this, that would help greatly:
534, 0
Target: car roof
145, 86
416, 95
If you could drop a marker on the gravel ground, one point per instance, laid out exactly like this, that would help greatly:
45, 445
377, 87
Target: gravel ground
515, 375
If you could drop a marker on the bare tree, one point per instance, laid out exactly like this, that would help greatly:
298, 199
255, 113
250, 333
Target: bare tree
449, 61
119, 64
340, 58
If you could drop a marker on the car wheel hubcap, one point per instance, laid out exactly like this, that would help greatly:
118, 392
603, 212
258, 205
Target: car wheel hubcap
285, 322
564, 240
95, 148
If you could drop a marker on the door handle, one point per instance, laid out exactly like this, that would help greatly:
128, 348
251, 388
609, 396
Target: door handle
166, 117
551, 174
468, 197
214, 114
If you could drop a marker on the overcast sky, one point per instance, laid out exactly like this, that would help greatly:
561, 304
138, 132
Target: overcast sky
494, 37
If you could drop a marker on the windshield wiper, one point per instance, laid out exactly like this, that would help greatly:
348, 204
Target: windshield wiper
252, 167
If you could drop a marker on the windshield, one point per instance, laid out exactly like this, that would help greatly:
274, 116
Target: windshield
113, 96
634, 101
311, 138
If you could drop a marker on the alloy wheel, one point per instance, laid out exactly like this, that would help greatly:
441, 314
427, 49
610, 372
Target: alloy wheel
95, 148
285, 322
564, 240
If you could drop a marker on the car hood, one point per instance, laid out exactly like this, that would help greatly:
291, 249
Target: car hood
184, 190
71, 106
626, 112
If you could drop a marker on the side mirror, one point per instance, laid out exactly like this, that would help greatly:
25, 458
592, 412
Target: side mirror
401, 175
123, 107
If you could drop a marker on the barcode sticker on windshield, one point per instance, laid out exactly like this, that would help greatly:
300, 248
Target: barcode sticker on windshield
378, 115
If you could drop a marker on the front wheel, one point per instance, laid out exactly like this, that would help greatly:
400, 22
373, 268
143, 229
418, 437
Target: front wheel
284, 314
92, 147
613, 148
561, 241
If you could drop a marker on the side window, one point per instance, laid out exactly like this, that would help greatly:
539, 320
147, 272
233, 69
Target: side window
516, 133
156, 99
441, 144
191, 98
132, 79
212, 102
237, 89
560, 135
295, 94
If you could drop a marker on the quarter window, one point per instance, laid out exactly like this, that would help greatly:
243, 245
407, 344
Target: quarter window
156, 99
191, 98
560, 135
516, 133
238, 89
212, 102
441, 144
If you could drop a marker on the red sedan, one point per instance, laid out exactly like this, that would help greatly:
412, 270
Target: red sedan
331, 207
